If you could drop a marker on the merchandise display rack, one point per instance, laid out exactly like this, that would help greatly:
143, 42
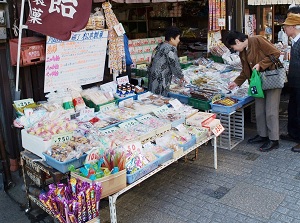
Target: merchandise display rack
113, 198
233, 124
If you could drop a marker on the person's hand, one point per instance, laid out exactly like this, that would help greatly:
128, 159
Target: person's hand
232, 85
256, 66
182, 81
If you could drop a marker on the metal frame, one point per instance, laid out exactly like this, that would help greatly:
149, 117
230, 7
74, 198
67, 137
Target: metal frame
113, 198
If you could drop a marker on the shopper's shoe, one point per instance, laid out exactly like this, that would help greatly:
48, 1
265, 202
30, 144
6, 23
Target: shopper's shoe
257, 139
270, 145
288, 138
296, 148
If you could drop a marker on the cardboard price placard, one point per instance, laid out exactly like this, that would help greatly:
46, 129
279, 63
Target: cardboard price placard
107, 107
109, 131
122, 80
60, 138
176, 104
128, 124
23, 102
144, 117
93, 156
87, 111
134, 147
218, 130
161, 110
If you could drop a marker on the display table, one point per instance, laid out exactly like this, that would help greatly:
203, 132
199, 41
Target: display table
113, 198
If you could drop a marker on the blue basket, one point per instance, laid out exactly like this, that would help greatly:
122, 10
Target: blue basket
142, 172
165, 157
225, 109
188, 144
244, 100
63, 166
182, 98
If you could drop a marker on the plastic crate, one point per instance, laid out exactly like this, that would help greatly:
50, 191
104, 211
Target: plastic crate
63, 166
165, 157
182, 98
142, 172
244, 100
199, 104
225, 109
188, 144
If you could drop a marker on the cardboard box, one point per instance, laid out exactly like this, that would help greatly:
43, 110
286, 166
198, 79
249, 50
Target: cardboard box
34, 144
32, 51
110, 184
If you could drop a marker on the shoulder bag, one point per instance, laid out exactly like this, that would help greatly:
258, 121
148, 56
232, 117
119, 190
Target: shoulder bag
272, 79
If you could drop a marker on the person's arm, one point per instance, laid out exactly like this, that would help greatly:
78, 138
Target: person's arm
174, 64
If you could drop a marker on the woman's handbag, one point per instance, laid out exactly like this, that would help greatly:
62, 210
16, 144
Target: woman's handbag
255, 89
272, 79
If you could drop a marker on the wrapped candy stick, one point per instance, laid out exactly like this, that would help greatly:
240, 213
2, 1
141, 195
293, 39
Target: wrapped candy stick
93, 202
88, 203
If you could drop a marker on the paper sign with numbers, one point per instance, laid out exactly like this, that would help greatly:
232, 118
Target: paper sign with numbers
60, 138
161, 110
218, 129
122, 80
176, 104
119, 29
128, 124
87, 111
144, 118
107, 107
23, 102
133, 147
109, 130
92, 156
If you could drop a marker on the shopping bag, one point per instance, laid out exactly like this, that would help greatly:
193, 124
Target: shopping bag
255, 89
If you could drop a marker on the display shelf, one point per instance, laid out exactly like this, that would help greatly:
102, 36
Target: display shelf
113, 198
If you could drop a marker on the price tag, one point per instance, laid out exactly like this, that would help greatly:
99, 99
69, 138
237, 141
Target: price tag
109, 130
87, 111
144, 118
133, 147
217, 97
141, 66
183, 59
161, 110
221, 22
119, 29
128, 124
107, 107
122, 80
92, 156
60, 138
176, 104
181, 128
23, 102
218, 129
109, 87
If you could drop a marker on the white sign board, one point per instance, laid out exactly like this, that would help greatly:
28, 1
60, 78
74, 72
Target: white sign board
78, 61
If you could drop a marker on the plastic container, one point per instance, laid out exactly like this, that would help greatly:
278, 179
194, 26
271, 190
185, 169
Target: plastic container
199, 104
63, 166
182, 98
244, 100
165, 157
142, 172
225, 109
188, 144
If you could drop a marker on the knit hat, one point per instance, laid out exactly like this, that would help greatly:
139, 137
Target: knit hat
292, 19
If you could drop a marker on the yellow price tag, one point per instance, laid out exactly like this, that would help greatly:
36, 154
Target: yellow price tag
141, 66
183, 59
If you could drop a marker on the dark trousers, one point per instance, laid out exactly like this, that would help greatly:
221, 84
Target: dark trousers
294, 113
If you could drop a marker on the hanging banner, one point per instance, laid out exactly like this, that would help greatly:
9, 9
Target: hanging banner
58, 18
78, 61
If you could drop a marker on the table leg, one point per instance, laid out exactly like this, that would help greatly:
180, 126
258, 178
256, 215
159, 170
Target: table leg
112, 208
215, 153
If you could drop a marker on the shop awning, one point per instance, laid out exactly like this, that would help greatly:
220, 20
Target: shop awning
272, 2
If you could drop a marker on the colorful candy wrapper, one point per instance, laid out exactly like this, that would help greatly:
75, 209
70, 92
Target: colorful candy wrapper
72, 217
79, 215
93, 202
73, 182
88, 203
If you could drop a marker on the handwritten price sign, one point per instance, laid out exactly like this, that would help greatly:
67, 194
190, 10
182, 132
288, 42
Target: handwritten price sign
176, 104
134, 147
93, 156
109, 131
122, 80
144, 118
161, 110
60, 138
218, 129
107, 107
128, 124
23, 102
87, 111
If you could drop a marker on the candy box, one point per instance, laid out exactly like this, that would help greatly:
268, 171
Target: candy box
110, 184
34, 144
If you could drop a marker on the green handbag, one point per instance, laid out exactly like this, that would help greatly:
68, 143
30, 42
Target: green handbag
255, 87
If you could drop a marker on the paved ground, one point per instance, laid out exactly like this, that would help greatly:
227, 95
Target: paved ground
248, 186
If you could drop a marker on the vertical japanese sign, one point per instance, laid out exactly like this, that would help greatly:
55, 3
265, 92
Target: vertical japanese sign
78, 61
57, 18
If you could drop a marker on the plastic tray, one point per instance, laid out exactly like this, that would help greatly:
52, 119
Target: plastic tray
166, 157
142, 172
199, 104
182, 98
188, 144
63, 166
244, 100
225, 109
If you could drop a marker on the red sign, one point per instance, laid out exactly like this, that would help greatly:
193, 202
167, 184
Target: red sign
57, 18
